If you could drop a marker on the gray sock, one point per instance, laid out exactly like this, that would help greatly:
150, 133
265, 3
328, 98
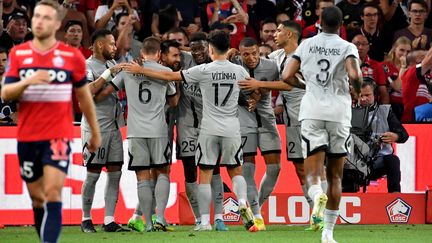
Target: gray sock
305, 193
192, 194
324, 186
240, 189
111, 192
252, 191
162, 190
268, 182
138, 210
217, 193
153, 186
204, 198
145, 200
88, 191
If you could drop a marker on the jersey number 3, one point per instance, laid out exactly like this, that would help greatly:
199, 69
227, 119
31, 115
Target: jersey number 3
323, 75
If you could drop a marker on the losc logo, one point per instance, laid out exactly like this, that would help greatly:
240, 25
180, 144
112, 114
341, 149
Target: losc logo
230, 210
398, 211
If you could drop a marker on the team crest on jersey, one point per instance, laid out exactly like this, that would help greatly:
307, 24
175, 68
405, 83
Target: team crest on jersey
399, 211
58, 61
230, 210
28, 60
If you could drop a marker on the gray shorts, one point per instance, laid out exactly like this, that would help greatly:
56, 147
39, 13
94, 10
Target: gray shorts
187, 141
332, 137
269, 142
249, 143
146, 153
109, 153
293, 143
210, 147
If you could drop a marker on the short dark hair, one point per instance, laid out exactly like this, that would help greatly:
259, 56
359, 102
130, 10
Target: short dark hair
119, 16
248, 42
177, 30
151, 45
267, 21
165, 45
317, 2
4, 50
220, 40
331, 18
198, 36
421, 2
369, 5
100, 33
368, 81
295, 26
266, 45
71, 23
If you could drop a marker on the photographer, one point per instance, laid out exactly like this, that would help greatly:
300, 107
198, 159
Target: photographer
385, 129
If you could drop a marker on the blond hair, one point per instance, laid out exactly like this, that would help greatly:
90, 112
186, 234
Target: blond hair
61, 13
391, 56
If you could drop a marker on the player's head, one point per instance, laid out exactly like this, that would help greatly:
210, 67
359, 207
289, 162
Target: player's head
368, 92
46, 19
331, 19
73, 33
321, 5
151, 47
199, 47
249, 52
103, 43
286, 32
170, 54
219, 43
3, 60
362, 44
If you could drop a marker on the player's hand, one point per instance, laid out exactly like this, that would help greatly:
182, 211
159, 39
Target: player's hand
232, 52
116, 68
192, 28
39, 77
389, 137
94, 142
251, 104
132, 67
249, 84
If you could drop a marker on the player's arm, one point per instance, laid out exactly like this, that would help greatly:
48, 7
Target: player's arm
104, 93
168, 76
354, 73
87, 106
106, 76
12, 91
251, 84
290, 74
173, 99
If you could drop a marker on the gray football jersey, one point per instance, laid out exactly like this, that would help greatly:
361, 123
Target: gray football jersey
108, 109
264, 115
218, 82
146, 102
292, 98
189, 108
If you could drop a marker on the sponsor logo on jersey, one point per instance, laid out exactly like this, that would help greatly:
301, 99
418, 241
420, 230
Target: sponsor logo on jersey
58, 61
28, 60
24, 52
230, 210
60, 76
399, 211
63, 53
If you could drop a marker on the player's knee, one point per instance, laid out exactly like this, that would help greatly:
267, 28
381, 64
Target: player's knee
37, 200
53, 194
273, 169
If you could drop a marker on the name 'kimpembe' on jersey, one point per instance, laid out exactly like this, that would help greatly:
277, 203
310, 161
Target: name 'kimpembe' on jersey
146, 102
322, 59
218, 82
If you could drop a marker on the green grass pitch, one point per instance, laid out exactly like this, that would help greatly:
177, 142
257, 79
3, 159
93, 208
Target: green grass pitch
274, 233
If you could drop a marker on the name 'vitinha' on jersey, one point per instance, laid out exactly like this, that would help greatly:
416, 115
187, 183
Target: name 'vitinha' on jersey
223, 76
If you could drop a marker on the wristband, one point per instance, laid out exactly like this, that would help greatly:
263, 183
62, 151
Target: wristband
106, 75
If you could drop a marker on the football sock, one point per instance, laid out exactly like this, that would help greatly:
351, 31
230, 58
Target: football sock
88, 191
324, 186
314, 190
38, 214
111, 195
191, 193
52, 222
204, 199
268, 182
330, 217
137, 213
217, 193
305, 193
252, 191
240, 188
162, 190
145, 198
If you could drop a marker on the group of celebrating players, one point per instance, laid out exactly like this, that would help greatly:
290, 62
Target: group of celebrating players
223, 114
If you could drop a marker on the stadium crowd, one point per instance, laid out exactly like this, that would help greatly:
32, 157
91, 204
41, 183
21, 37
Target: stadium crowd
125, 41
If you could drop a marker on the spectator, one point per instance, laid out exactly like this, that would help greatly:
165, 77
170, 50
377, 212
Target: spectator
394, 67
379, 41
74, 36
351, 13
267, 31
420, 36
87, 7
10, 7
230, 12
8, 115
371, 68
16, 31
315, 29
300, 11
415, 90
189, 11
281, 17
386, 130
395, 14
265, 50
181, 37
259, 11
105, 14
165, 20
73, 14
123, 32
